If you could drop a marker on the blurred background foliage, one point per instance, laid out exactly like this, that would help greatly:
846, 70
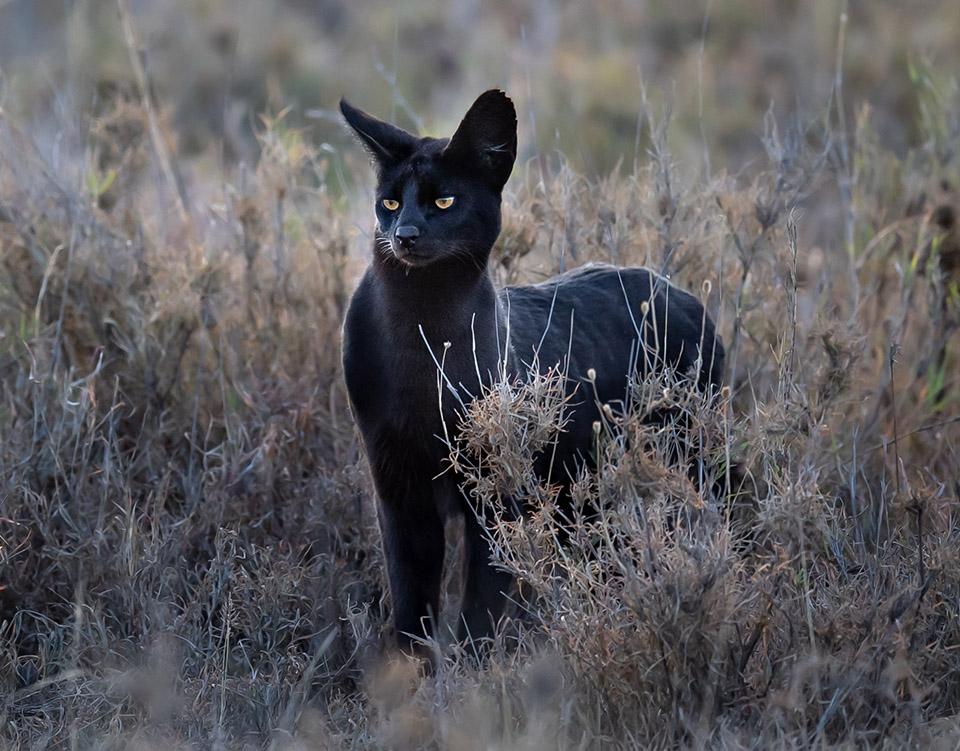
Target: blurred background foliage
577, 70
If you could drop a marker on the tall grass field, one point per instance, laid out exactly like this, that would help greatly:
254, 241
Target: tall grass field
189, 553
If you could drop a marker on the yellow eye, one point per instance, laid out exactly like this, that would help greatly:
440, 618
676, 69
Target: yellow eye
444, 203
390, 205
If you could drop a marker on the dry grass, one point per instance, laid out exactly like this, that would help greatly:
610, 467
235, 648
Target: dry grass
188, 555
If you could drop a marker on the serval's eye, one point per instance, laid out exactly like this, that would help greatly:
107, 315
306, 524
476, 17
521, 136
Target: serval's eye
444, 203
390, 205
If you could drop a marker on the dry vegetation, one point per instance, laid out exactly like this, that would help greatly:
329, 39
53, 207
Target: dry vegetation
188, 551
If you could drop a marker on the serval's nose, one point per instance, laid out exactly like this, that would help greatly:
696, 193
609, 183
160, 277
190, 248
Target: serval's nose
407, 235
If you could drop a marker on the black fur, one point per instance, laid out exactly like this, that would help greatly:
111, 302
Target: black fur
418, 295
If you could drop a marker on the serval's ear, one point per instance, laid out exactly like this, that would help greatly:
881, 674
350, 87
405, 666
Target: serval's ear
487, 136
386, 143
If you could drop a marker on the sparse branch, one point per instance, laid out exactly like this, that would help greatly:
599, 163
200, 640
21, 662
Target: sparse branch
167, 166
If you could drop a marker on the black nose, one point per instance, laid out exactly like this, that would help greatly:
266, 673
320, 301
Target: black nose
407, 235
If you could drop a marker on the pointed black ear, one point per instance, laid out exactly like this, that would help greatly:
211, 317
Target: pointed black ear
488, 137
387, 143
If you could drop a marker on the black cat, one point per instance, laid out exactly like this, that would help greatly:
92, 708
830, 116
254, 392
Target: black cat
438, 215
